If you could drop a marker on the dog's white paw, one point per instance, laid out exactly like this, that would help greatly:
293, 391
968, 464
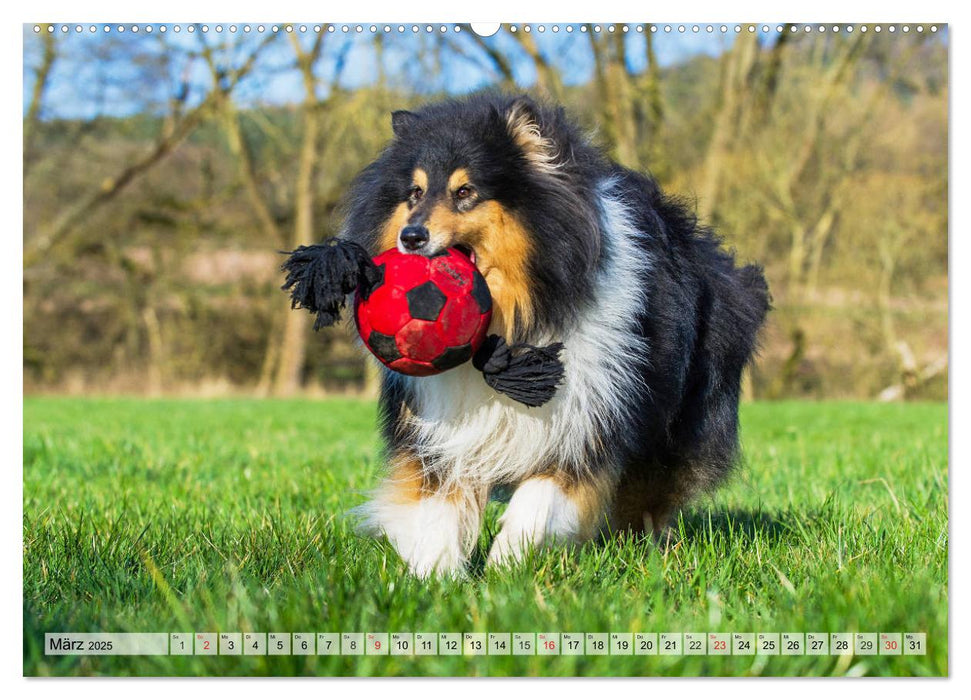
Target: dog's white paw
507, 550
539, 514
432, 545
428, 534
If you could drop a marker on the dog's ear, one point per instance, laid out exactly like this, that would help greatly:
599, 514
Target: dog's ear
524, 123
402, 121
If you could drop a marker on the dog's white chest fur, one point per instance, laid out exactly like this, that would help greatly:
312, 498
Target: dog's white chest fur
467, 432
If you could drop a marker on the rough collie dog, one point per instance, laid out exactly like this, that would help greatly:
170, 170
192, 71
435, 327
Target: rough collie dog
656, 320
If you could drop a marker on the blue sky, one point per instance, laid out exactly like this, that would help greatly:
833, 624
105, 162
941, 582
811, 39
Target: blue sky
119, 74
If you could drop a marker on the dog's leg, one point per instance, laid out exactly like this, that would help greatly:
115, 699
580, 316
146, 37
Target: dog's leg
433, 528
658, 522
647, 503
546, 510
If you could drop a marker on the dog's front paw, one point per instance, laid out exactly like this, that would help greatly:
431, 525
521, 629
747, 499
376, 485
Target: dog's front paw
427, 534
435, 554
508, 549
539, 514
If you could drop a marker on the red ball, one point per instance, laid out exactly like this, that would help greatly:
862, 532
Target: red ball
427, 314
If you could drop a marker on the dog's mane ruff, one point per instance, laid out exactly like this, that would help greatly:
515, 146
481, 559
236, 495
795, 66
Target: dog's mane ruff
464, 433
561, 210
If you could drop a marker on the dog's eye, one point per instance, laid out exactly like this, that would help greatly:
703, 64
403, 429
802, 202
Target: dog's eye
464, 192
416, 193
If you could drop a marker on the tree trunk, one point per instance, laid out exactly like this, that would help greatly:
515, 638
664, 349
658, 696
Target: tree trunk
372, 378
293, 352
547, 78
608, 113
653, 108
156, 352
37, 97
620, 91
274, 343
817, 246
797, 259
737, 66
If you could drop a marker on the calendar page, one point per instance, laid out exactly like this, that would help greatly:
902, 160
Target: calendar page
519, 349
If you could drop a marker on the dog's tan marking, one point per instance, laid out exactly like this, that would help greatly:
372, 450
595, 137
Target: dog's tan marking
433, 525
591, 494
552, 508
407, 483
502, 248
502, 255
389, 234
420, 179
458, 178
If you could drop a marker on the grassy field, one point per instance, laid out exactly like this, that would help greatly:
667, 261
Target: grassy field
227, 516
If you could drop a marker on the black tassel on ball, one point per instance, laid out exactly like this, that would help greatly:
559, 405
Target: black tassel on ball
319, 277
525, 373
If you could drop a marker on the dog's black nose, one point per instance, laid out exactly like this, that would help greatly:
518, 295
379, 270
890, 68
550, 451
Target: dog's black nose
414, 237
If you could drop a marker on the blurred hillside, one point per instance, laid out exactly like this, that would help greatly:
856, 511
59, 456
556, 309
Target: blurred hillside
151, 237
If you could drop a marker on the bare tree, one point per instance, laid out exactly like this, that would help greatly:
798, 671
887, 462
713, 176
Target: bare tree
177, 126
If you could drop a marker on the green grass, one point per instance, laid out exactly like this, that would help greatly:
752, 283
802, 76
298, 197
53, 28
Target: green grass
227, 516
